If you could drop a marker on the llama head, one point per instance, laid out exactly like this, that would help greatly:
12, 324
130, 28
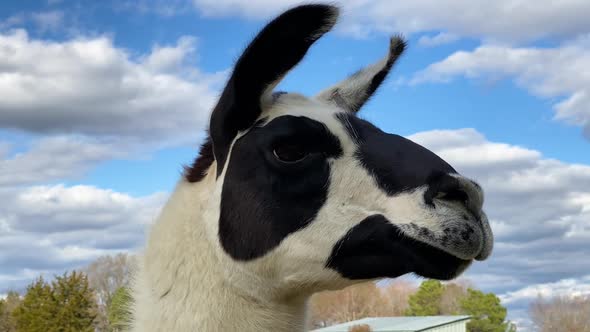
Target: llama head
307, 194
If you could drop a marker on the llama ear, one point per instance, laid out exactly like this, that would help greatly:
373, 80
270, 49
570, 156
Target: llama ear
268, 58
352, 93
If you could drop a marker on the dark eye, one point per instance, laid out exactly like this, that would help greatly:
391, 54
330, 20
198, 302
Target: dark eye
290, 153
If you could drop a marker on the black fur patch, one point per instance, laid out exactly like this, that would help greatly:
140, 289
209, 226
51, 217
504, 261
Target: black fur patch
197, 171
397, 163
264, 200
375, 248
272, 53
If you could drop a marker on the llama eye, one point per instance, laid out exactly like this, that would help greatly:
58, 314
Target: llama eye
290, 153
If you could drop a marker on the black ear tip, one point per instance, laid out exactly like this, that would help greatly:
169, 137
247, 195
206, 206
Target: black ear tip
397, 45
328, 10
325, 14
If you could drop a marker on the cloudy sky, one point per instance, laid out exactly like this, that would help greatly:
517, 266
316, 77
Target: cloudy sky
101, 103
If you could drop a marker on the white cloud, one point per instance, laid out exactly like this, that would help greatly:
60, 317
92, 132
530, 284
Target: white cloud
52, 228
565, 287
47, 209
554, 73
12, 21
489, 281
55, 157
90, 87
165, 8
92, 101
438, 39
471, 151
50, 21
506, 20
4, 149
170, 58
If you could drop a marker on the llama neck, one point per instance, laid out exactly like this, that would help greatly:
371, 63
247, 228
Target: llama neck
181, 285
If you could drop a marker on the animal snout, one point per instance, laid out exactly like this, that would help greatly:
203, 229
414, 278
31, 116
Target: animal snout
455, 188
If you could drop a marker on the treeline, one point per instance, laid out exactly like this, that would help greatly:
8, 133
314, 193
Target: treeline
93, 299
562, 313
571, 314
402, 299
96, 298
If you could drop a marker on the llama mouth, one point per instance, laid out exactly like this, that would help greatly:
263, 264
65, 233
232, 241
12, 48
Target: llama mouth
432, 262
376, 248
468, 239
464, 240
462, 233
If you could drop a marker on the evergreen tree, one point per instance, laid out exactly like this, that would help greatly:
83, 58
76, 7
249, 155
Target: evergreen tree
37, 310
118, 312
488, 314
75, 304
65, 305
426, 301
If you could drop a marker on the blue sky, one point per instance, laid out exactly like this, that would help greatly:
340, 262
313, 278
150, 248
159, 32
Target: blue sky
101, 103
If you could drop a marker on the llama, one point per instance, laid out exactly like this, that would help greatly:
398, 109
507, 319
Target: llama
291, 195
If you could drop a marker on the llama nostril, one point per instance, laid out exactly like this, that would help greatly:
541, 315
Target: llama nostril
452, 188
453, 195
461, 196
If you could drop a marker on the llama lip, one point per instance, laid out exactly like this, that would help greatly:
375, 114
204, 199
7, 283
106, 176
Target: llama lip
462, 237
487, 239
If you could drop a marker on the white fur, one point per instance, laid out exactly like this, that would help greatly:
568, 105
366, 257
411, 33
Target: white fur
183, 285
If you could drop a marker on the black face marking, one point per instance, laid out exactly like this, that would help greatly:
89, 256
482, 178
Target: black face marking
272, 53
264, 200
376, 248
397, 163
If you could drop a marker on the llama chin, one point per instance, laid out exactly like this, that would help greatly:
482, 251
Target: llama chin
291, 195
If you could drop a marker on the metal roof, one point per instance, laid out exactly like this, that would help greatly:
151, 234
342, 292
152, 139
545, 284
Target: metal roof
397, 324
